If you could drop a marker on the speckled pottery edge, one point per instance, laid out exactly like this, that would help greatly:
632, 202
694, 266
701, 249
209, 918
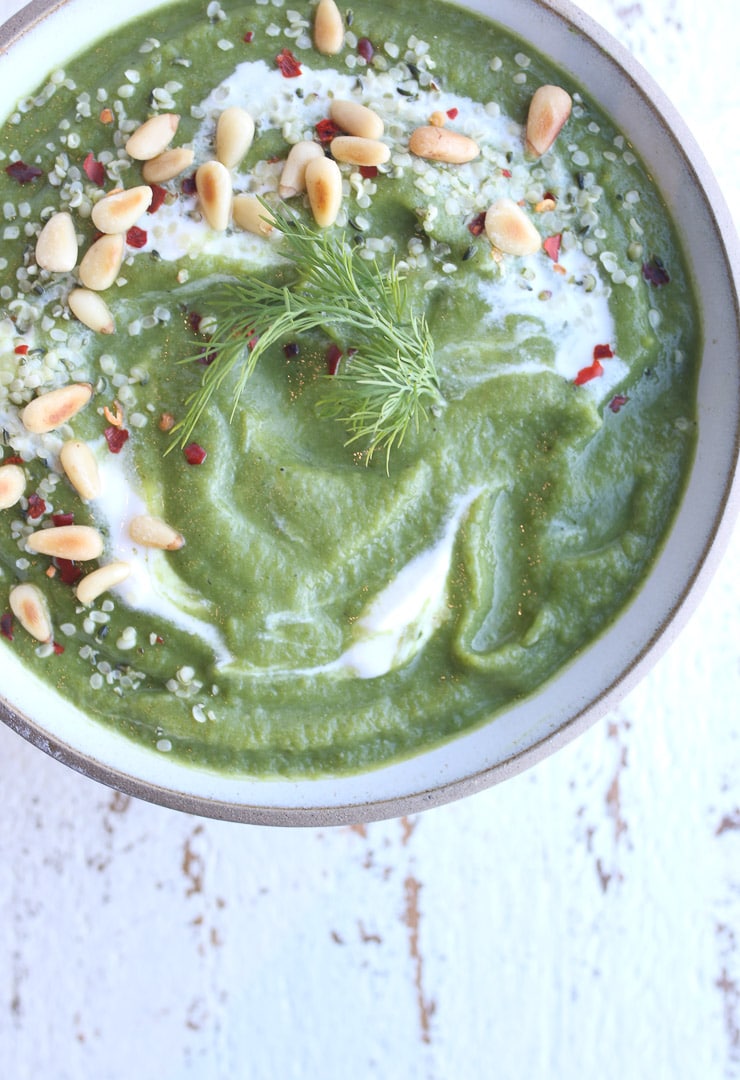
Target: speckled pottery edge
416, 785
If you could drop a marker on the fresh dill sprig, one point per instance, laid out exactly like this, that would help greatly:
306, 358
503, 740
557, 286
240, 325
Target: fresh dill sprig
391, 381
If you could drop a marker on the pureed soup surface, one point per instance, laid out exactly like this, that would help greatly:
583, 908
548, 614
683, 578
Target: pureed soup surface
326, 614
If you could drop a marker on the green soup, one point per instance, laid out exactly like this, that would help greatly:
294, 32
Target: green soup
330, 612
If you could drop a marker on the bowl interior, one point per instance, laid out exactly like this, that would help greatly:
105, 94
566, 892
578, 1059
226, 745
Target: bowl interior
606, 670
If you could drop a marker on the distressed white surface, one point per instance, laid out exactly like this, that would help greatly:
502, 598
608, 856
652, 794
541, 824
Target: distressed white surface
579, 921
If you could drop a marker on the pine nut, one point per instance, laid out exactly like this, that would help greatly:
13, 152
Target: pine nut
328, 28
154, 533
510, 230
81, 467
78, 542
293, 177
168, 165
12, 485
50, 410
118, 211
548, 110
56, 246
324, 187
213, 184
441, 144
251, 215
102, 261
91, 310
234, 135
152, 137
356, 119
101, 580
354, 150
29, 606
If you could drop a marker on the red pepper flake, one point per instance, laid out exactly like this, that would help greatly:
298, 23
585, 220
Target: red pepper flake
655, 272
24, 174
188, 186
36, 506
21, 350
69, 572
586, 374
94, 170
333, 356
603, 352
290, 67
58, 649
368, 172
195, 454
506, 173
552, 246
248, 37
326, 130
477, 225
116, 437
136, 237
617, 402
6, 625
452, 113
206, 358
365, 49
14, 459
159, 194
62, 519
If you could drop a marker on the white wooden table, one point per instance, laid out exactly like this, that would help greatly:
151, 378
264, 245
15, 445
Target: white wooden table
579, 921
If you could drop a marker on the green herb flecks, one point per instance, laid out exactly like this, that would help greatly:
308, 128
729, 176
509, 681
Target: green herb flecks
388, 385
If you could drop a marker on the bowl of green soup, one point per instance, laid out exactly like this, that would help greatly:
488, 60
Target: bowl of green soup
369, 394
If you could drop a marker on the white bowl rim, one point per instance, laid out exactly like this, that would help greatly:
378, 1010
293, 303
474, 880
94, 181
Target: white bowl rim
341, 812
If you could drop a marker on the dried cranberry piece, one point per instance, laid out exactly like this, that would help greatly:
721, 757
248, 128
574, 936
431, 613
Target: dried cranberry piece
477, 225
159, 194
603, 352
69, 572
326, 130
62, 519
617, 402
655, 272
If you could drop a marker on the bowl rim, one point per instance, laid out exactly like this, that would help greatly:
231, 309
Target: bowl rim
667, 116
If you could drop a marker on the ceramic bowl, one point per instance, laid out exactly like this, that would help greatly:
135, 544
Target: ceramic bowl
596, 680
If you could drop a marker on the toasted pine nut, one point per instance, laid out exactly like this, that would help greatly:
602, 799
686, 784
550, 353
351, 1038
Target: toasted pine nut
12, 485
81, 467
50, 410
167, 165
118, 211
154, 533
356, 119
548, 110
152, 137
97, 582
213, 184
56, 246
78, 542
510, 230
250, 214
293, 177
441, 144
356, 151
102, 261
29, 606
91, 310
234, 135
324, 187
328, 28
